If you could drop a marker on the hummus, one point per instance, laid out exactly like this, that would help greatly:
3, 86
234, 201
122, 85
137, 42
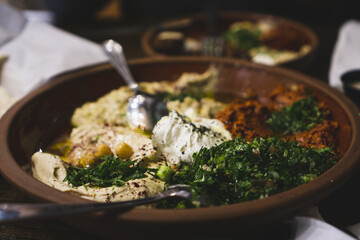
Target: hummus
89, 139
50, 169
271, 57
101, 127
197, 108
111, 108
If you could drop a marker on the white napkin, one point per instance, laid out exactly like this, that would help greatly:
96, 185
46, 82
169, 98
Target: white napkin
311, 228
346, 55
309, 224
42, 51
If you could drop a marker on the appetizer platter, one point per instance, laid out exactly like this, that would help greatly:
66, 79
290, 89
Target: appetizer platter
258, 144
260, 38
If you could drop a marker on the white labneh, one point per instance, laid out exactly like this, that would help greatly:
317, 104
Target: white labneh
177, 138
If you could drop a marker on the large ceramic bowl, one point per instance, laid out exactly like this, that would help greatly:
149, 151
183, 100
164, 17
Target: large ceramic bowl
44, 115
292, 34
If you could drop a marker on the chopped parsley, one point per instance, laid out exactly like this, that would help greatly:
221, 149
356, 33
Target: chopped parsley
302, 115
111, 171
237, 170
164, 172
244, 39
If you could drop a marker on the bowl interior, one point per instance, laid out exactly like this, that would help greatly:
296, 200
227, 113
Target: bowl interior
44, 115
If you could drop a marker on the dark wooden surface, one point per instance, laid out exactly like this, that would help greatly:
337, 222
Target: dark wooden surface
39, 229
129, 33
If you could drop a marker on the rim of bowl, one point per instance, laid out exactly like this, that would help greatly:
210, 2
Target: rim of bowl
334, 178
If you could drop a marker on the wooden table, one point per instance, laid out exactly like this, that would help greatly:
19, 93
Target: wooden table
129, 35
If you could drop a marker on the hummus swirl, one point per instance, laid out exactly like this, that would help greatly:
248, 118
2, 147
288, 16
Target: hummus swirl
50, 169
101, 126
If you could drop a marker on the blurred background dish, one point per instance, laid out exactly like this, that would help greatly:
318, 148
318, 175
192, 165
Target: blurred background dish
28, 121
261, 38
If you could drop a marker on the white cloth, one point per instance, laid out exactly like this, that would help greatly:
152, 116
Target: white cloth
307, 228
355, 229
42, 51
309, 224
346, 54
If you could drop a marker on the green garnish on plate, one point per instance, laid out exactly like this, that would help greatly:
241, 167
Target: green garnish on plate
111, 171
243, 38
302, 115
237, 171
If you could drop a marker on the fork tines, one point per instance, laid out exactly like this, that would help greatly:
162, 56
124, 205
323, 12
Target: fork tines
212, 46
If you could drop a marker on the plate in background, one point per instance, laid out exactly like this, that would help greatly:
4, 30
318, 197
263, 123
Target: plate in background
195, 27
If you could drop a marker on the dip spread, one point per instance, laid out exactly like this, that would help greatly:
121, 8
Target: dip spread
101, 129
176, 138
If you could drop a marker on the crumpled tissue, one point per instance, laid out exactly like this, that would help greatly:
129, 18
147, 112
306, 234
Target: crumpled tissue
42, 51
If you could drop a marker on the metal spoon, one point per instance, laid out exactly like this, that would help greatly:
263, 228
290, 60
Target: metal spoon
143, 110
10, 212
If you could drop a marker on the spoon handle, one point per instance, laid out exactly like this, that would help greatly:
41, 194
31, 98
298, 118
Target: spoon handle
117, 59
10, 212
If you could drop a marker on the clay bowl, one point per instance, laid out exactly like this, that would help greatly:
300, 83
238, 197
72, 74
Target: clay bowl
44, 114
195, 26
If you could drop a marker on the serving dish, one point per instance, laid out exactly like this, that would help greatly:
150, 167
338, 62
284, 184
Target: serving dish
44, 115
195, 27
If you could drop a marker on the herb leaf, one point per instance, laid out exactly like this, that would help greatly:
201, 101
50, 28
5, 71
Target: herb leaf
111, 171
244, 39
237, 170
300, 116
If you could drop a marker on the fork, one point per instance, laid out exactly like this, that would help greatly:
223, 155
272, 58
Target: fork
11, 212
212, 46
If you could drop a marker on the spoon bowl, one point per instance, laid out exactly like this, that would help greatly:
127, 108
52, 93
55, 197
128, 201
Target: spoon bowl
143, 110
